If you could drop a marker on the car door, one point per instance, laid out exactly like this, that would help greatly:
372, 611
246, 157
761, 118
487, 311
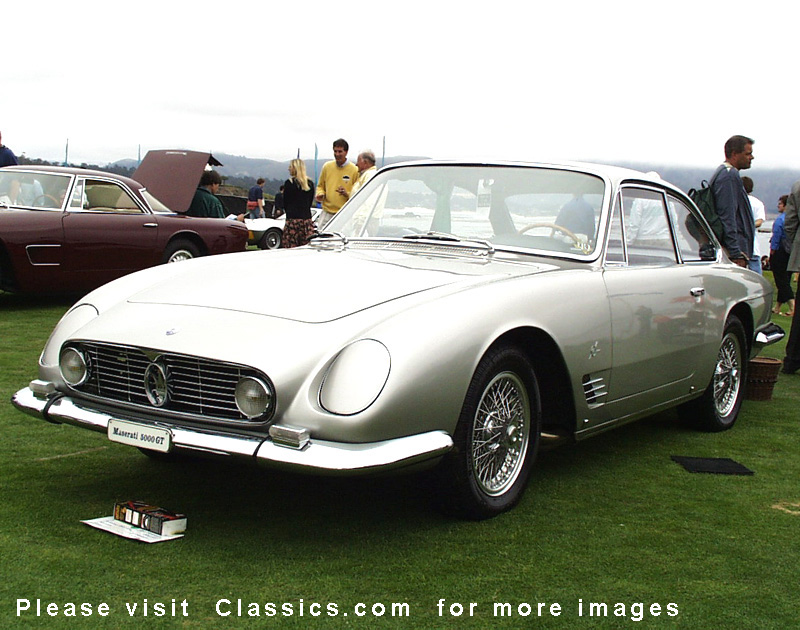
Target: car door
656, 303
107, 233
31, 226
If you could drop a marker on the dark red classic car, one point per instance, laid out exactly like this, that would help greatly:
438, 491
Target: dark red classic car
70, 230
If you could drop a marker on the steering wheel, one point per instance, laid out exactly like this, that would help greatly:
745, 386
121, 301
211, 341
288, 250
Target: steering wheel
553, 229
56, 202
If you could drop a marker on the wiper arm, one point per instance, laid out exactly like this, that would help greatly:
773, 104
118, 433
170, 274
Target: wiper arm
434, 236
451, 238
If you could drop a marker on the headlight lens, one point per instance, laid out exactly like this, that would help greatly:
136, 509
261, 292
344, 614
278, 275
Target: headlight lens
253, 397
74, 367
356, 378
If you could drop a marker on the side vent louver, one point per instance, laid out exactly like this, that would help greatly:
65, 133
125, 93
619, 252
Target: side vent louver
594, 389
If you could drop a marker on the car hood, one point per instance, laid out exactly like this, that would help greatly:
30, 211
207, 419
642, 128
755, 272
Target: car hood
316, 285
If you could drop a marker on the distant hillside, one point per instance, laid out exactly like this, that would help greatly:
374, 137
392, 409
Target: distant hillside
242, 171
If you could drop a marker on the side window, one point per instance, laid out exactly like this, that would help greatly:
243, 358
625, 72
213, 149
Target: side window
103, 196
693, 240
648, 238
78, 200
615, 252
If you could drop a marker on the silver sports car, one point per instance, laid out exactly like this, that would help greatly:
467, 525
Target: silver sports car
455, 316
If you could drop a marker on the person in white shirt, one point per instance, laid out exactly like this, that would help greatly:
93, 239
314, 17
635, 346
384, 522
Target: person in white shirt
366, 170
759, 215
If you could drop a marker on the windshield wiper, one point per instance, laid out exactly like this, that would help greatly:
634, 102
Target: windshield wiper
450, 238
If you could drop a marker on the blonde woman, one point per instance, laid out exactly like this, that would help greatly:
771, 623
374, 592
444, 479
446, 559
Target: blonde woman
298, 195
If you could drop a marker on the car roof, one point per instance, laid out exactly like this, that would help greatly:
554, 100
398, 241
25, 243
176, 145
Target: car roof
74, 171
614, 174
170, 175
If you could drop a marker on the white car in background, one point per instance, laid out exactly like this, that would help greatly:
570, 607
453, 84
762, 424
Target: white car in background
265, 233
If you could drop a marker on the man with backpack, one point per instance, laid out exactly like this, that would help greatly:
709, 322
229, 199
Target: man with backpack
731, 201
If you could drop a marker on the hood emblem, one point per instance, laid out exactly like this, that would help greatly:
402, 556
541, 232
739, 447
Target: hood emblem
155, 385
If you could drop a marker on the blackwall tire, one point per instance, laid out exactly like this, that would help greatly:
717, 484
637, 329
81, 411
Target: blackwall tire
271, 239
496, 438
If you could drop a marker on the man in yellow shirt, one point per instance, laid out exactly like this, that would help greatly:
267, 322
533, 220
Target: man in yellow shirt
335, 183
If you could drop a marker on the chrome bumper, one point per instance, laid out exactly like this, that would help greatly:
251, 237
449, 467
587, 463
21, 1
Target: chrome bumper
317, 456
767, 335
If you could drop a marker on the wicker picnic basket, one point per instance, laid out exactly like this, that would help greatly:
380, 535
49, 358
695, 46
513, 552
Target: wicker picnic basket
762, 374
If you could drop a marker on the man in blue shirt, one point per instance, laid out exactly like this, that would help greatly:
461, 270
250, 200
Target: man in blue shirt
255, 199
7, 157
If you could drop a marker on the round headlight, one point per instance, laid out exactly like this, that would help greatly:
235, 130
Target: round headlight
356, 378
74, 367
253, 397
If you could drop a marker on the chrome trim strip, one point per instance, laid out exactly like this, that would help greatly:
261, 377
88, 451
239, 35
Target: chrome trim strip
337, 457
41, 246
318, 457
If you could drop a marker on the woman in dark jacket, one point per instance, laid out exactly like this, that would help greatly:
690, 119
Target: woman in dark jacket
298, 195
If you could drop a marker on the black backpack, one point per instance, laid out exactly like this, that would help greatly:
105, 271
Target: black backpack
704, 200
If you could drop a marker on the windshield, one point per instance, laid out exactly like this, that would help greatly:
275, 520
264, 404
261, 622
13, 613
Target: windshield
546, 209
32, 190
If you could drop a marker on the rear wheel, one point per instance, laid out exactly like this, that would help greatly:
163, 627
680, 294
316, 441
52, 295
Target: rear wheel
180, 250
718, 408
496, 438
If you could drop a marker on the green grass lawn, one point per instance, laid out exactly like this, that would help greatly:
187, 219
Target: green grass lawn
610, 520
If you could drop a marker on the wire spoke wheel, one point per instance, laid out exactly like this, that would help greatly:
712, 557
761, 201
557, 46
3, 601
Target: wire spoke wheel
728, 375
496, 438
500, 434
718, 407
180, 255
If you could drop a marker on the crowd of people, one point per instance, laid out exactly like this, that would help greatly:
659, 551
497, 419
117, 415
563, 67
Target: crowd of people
338, 181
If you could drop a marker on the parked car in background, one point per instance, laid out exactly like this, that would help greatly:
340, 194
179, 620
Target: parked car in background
454, 315
266, 233
70, 230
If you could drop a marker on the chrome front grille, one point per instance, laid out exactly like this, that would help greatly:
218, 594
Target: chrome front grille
197, 386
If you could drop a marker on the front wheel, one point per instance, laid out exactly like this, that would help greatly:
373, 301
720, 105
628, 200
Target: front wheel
271, 239
496, 438
180, 250
717, 409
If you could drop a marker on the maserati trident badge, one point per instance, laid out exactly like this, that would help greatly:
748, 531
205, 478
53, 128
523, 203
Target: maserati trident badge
155, 385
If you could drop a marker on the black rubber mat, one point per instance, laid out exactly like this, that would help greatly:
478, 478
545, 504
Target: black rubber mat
716, 465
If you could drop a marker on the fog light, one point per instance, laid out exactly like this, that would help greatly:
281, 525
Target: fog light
253, 397
73, 367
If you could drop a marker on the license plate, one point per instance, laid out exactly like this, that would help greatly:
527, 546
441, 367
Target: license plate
139, 435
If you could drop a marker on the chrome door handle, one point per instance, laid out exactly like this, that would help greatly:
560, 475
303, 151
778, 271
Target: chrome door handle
697, 292
150, 225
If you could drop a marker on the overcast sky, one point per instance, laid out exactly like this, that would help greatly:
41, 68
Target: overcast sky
599, 81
